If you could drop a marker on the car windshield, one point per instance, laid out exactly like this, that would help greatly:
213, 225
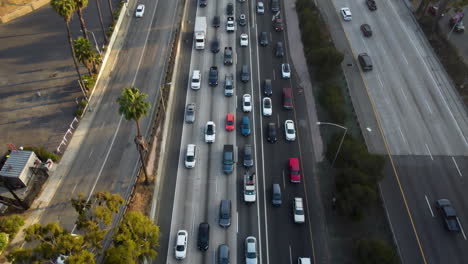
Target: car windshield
299, 212
195, 80
290, 131
180, 247
247, 103
229, 122
190, 158
251, 255
295, 172
267, 104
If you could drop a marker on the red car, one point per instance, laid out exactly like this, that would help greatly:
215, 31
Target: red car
230, 122
294, 170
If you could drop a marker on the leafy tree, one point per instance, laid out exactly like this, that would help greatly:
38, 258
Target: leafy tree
375, 251
65, 9
95, 215
354, 199
133, 106
3, 241
136, 234
11, 224
51, 241
349, 176
328, 60
331, 98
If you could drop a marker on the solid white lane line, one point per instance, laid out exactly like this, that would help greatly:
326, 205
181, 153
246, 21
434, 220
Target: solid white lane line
430, 154
461, 227
429, 205
404, 95
290, 255
456, 166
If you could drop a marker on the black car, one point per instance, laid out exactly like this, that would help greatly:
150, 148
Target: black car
228, 56
230, 9
203, 239
267, 88
371, 5
263, 39
448, 214
242, 20
202, 3
213, 76
271, 135
279, 51
366, 30
215, 45
216, 21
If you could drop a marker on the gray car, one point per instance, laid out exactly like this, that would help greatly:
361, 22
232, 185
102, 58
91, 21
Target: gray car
190, 113
248, 158
223, 254
279, 51
242, 20
263, 39
251, 250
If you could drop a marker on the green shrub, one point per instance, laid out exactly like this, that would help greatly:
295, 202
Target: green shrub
370, 251
82, 103
353, 200
43, 154
327, 63
89, 81
331, 98
11, 224
3, 241
79, 112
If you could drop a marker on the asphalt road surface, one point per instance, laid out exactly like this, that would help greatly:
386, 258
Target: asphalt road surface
198, 191
107, 160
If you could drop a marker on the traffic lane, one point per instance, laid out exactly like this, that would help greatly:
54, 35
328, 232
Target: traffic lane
120, 164
169, 175
441, 180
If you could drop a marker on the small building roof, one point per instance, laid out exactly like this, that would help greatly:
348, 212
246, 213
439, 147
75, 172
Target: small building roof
16, 163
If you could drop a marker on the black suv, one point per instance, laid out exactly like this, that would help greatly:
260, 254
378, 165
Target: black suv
279, 52
271, 136
203, 236
216, 21
230, 9
213, 76
228, 56
263, 39
215, 45
366, 30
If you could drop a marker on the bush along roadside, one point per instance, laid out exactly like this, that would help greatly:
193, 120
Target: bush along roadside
356, 171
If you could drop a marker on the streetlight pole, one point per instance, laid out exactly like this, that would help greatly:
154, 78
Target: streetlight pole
342, 138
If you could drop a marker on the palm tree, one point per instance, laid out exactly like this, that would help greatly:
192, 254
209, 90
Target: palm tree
65, 9
80, 5
134, 106
100, 20
83, 50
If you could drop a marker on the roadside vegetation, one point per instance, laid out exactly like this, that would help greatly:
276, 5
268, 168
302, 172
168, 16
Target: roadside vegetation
356, 171
135, 238
447, 53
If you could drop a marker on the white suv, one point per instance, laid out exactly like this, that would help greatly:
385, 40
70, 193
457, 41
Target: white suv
298, 210
196, 80
346, 13
190, 156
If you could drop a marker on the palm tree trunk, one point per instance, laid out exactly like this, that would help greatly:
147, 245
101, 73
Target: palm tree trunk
82, 23
70, 41
138, 129
100, 20
141, 147
111, 9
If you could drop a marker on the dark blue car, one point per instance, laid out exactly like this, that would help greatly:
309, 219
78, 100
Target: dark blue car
245, 126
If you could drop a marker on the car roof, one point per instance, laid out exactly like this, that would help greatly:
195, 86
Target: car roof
245, 119
294, 163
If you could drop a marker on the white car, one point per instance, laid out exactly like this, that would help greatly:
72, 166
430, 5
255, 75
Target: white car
210, 132
267, 107
247, 103
181, 244
230, 25
196, 80
260, 8
298, 210
244, 40
190, 156
346, 13
140, 10
289, 130
251, 250
285, 71
304, 261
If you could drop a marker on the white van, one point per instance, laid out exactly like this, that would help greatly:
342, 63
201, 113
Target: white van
190, 156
